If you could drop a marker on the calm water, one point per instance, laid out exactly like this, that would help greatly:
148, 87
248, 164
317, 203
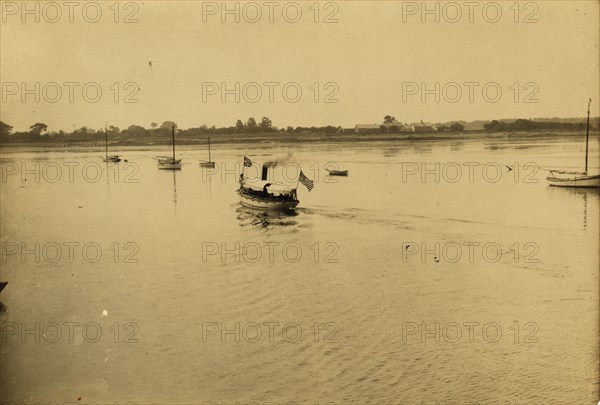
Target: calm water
517, 322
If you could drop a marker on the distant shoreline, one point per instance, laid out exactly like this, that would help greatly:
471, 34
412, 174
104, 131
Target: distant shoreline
275, 138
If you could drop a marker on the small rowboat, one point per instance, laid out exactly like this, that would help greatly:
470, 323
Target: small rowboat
113, 159
337, 172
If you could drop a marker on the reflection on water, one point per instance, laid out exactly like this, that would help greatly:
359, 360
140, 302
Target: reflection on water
175, 186
266, 219
391, 151
580, 194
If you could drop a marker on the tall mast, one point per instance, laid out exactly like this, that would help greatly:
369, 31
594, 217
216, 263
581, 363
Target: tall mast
209, 149
106, 139
173, 143
587, 136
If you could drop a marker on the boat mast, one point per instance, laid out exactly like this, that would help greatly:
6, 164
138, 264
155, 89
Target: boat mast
209, 149
106, 139
587, 136
173, 143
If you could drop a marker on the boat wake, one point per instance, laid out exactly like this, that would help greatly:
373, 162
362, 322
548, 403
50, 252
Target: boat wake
267, 219
407, 221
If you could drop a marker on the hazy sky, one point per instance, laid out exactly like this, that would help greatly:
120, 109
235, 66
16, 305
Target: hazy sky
371, 57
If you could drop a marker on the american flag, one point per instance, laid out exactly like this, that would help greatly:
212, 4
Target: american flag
247, 162
306, 181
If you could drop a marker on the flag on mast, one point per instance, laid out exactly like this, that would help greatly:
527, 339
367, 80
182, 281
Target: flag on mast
306, 181
247, 162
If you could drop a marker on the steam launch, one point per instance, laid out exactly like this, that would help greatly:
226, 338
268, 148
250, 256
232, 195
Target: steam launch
269, 195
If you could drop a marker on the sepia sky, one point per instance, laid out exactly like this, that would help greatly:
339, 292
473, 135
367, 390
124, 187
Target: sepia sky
373, 52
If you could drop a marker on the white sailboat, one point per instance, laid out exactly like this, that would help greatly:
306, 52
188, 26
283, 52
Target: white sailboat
169, 162
565, 178
112, 158
209, 163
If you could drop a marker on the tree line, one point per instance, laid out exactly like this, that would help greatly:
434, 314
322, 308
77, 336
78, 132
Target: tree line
529, 125
38, 132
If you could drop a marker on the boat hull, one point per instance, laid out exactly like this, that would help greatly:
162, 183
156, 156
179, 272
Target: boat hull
207, 164
169, 166
266, 204
167, 161
574, 181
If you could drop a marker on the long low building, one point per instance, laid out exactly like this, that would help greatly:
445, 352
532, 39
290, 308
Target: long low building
367, 128
425, 128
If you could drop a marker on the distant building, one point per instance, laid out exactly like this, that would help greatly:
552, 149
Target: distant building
401, 127
425, 127
367, 128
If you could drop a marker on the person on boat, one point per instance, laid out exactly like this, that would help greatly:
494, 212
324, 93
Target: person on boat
265, 192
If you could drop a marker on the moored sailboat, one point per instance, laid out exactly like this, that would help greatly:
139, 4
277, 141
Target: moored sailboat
167, 162
112, 158
572, 179
209, 163
565, 178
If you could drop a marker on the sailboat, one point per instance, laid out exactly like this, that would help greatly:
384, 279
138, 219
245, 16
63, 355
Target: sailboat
112, 158
210, 163
168, 162
574, 178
